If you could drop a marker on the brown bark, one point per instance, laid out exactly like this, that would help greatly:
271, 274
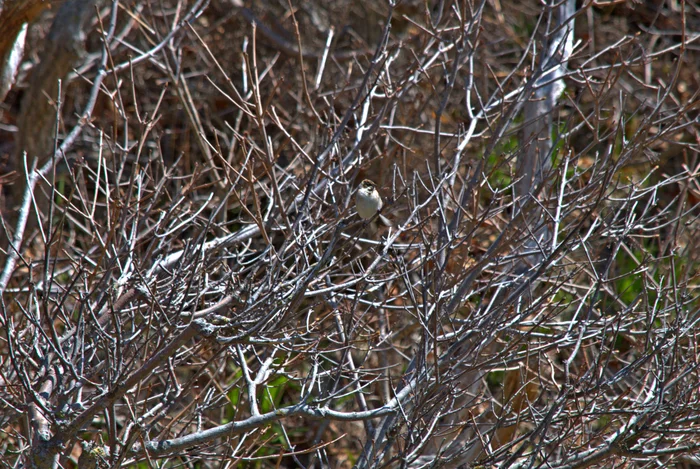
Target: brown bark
13, 15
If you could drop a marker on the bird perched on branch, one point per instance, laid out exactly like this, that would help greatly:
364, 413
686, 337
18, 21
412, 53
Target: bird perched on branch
368, 202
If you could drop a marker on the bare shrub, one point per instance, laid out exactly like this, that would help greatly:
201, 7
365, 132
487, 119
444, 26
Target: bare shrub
200, 291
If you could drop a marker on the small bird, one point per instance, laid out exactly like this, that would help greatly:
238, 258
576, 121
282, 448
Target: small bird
368, 202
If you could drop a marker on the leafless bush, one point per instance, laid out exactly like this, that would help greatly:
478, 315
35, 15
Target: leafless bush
198, 289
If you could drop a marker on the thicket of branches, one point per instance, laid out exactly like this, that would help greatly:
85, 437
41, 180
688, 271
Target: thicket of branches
185, 280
